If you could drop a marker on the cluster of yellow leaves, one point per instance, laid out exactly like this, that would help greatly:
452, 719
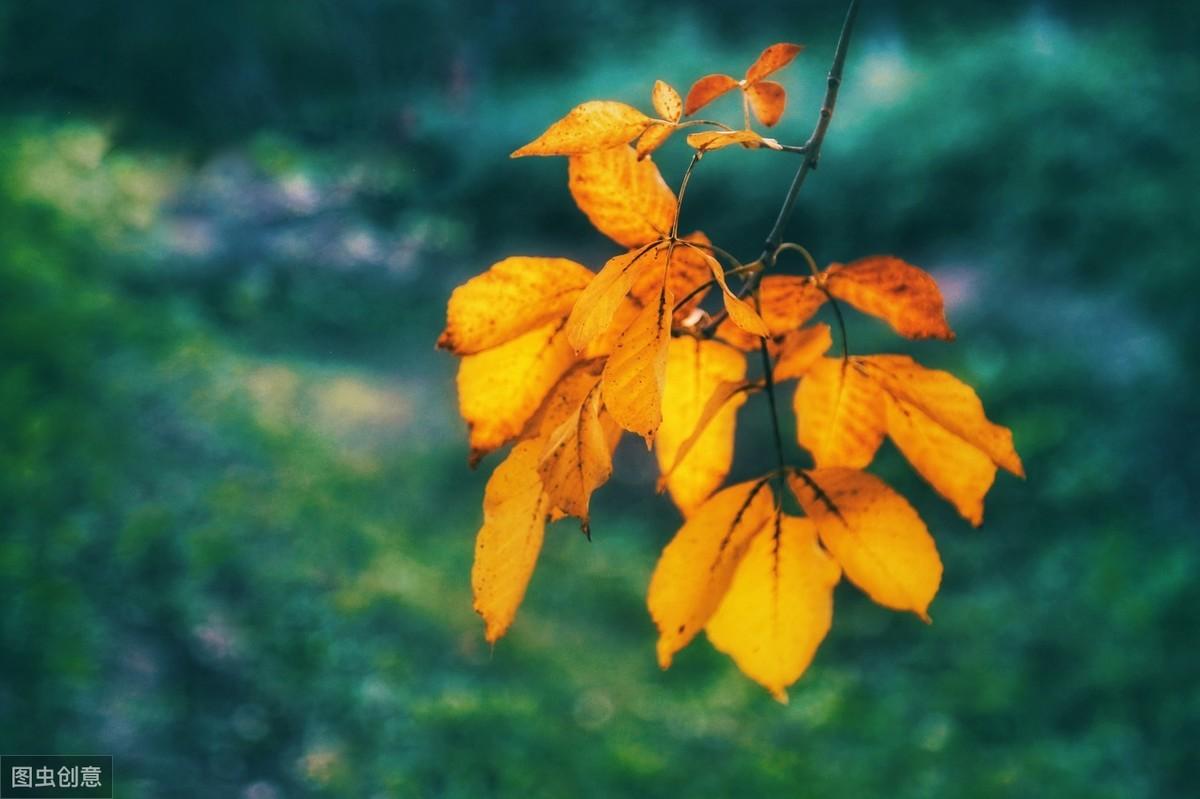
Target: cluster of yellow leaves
559, 361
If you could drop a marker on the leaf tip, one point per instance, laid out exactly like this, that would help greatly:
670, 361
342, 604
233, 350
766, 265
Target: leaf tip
665, 654
779, 694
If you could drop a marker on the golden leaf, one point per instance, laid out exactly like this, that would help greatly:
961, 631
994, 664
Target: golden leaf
636, 371
695, 370
740, 312
799, 349
655, 136
590, 127
667, 103
839, 413
577, 458
767, 101
624, 198
874, 534
707, 89
696, 567
785, 303
904, 296
512, 297
779, 605
717, 139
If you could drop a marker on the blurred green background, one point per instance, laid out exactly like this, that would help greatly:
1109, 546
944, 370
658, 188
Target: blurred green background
236, 522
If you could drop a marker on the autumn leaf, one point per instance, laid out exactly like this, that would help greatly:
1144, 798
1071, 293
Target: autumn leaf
636, 371
839, 413
689, 269
740, 312
785, 303
766, 98
595, 306
901, 294
695, 370
708, 140
728, 395
577, 458
508, 544
512, 297
590, 127
938, 423
798, 350
696, 567
874, 534
667, 103
655, 136
779, 605
624, 198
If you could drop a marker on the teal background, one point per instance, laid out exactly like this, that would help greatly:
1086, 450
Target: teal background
236, 521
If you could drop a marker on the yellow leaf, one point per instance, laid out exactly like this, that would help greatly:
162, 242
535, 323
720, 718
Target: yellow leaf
633, 378
593, 310
879, 540
667, 103
906, 297
624, 198
590, 127
513, 297
707, 89
655, 136
772, 59
938, 423
800, 349
779, 605
785, 302
717, 139
688, 270
499, 389
695, 371
577, 458
507, 547
839, 413
695, 568
564, 399
740, 312
767, 101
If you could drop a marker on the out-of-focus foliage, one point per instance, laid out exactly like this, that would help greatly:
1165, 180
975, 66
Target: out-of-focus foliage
233, 540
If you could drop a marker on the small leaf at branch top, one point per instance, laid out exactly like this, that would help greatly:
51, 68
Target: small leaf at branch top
577, 458
507, 547
624, 198
767, 101
707, 89
696, 567
667, 103
785, 301
906, 297
636, 371
740, 312
593, 310
499, 389
655, 136
716, 139
513, 297
800, 349
839, 413
695, 370
590, 127
772, 59
874, 534
779, 605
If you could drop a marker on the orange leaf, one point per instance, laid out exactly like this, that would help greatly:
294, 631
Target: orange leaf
696, 567
500, 388
876, 536
507, 547
906, 297
593, 310
705, 90
626, 199
667, 103
774, 58
839, 413
717, 139
767, 101
655, 136
636, 371
513, 297
740, 312
687, 270
577, 458
695, 370
785, 301
590, 127
800, 349
779, 605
